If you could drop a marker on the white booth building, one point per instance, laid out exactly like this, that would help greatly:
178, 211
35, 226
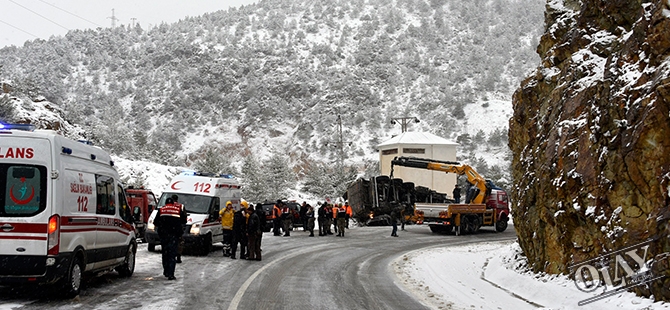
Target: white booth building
421, 145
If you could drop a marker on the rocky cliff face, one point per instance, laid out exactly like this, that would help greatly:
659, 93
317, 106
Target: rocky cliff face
591, 134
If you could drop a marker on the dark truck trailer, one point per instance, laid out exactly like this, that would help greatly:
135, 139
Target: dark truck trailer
373, 200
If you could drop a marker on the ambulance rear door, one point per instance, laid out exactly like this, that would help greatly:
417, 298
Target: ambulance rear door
25, 185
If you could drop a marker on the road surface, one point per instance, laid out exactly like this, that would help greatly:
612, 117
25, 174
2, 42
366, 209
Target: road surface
325, 272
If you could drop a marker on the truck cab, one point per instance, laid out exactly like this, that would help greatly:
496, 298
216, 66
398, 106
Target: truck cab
142, 202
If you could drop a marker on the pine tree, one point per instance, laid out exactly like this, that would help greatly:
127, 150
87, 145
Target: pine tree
253, 184
280, 177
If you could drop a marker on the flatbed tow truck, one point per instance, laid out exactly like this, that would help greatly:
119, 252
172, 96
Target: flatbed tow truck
485, 204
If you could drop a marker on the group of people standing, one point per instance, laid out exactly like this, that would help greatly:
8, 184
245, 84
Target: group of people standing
334, 215
243, 227
284, 216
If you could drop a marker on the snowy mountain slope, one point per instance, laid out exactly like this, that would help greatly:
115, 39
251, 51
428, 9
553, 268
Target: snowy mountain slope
274, 77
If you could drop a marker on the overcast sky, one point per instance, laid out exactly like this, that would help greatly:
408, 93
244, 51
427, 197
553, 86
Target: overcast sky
23, 20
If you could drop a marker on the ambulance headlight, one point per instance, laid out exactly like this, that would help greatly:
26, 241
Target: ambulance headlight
195, 229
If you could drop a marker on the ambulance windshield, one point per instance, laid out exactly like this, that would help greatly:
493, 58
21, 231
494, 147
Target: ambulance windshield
193, 203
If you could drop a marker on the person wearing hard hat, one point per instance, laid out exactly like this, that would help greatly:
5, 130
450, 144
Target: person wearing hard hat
227, 214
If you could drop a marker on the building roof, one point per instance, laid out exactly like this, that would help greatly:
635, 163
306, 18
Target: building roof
421, 138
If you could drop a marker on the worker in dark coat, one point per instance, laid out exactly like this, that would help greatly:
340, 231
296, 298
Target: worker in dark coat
239, 233
287, 219
170, 221
309, 214
322, 219
395, 215
254, 233
457, 194
180, 244
262, 217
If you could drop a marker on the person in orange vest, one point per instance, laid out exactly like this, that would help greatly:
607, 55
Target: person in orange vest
349, 212
170, 221
340, 214
227, 215
287, 218
276, 214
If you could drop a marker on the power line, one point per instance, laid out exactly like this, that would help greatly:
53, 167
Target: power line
75, 15
40, 15
19, 29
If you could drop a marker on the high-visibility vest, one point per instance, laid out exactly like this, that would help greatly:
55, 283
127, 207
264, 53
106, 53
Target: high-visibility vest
171, 210
276, 211
349, 211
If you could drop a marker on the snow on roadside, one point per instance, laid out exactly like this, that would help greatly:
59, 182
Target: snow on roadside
488, 276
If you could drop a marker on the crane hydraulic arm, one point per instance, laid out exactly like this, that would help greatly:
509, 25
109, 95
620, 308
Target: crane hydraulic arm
448, 167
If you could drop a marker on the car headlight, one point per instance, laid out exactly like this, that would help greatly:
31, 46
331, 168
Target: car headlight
195, 229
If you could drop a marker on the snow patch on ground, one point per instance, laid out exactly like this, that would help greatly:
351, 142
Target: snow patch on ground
492, 276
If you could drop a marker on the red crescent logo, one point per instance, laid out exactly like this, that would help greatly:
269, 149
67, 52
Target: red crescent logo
21, 202
174, 185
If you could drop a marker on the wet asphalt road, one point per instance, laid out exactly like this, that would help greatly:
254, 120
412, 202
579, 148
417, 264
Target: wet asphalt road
297, 271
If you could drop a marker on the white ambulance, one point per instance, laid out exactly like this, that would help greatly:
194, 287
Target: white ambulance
202, 196
63, 212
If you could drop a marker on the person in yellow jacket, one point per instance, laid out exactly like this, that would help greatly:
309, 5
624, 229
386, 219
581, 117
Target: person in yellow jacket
227, 215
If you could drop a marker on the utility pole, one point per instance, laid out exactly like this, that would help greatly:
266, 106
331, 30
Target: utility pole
404, 121
114, 19
340, 142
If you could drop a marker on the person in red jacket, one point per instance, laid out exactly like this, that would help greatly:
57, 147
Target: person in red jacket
170, 221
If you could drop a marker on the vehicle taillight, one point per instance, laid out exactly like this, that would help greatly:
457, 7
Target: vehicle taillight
53, 235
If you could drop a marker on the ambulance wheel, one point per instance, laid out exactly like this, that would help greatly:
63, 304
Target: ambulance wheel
151, 247
128, 267
71, 283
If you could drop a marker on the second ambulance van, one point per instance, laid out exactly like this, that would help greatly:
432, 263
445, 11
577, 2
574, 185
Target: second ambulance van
202, 196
